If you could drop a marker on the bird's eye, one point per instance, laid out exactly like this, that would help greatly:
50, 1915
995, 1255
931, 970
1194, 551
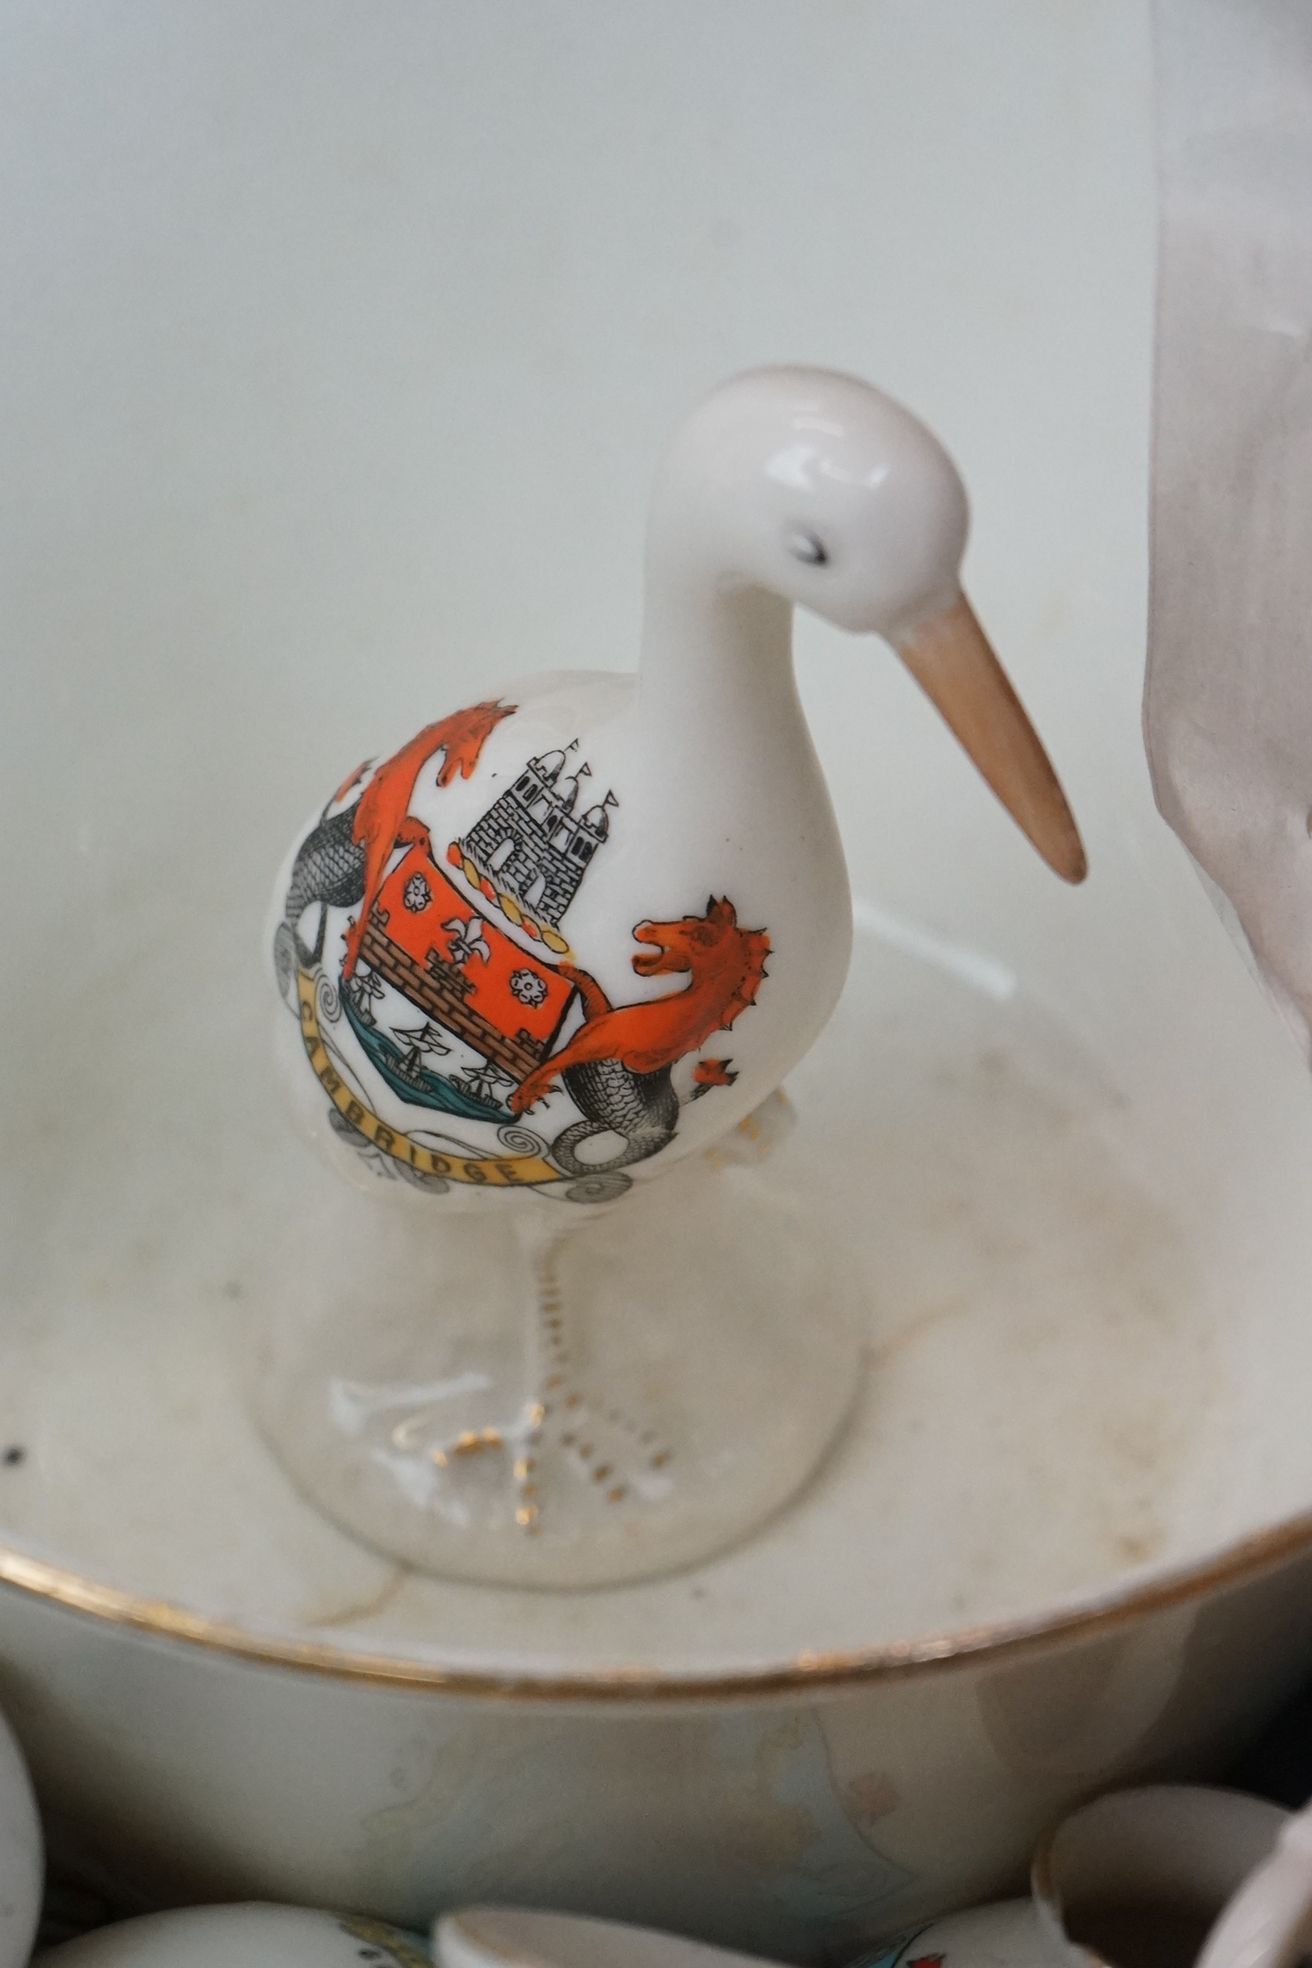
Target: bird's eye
808, 547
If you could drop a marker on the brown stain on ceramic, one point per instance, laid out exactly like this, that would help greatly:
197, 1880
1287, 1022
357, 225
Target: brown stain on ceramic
367, 1607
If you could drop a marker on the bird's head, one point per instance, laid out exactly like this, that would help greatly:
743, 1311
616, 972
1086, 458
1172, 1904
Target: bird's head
820, 489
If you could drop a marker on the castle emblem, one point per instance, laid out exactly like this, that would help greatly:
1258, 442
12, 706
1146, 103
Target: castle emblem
532, 847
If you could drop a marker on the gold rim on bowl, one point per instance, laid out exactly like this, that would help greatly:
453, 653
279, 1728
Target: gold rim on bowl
804, 1674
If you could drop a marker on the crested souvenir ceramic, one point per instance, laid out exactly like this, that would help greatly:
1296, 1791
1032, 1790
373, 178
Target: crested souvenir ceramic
226, 1936
20, 1856
1158, 1878
574, 932
571, 935
1137, 1877
513, 1937
1268, 1923
442, 317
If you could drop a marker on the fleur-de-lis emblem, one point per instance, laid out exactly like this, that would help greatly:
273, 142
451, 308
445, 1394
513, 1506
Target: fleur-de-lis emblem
467, 940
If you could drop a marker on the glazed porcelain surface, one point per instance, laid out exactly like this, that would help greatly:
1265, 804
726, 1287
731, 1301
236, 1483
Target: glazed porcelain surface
1268, 1923
1065, 1523
449, 1398
451, 880
1147, 1875
1004, 1936
1139, 1877
20, 1856
226, 1936
1169, 1876
506, 1937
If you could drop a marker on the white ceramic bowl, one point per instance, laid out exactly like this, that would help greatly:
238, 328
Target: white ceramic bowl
225, 1936
1136, 1875
20, 1856
344, 353
511, 1937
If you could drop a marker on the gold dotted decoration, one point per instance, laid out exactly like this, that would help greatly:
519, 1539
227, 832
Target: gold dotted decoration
576, 1404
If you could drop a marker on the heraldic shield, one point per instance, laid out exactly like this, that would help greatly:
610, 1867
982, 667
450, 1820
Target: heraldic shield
439, 998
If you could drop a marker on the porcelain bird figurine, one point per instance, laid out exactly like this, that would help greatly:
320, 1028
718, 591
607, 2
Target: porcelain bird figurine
565, 937
583, 928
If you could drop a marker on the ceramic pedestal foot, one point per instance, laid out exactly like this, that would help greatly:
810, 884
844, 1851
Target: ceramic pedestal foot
516, 1397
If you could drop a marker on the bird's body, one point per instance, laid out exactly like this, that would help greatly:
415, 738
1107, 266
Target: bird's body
669, 962
620, 896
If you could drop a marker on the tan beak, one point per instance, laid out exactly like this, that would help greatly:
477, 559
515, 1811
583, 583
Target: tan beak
951, 659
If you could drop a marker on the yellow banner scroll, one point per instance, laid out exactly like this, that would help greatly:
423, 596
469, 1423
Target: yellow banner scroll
499, 1171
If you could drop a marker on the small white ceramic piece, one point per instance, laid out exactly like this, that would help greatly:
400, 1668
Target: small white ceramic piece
1268, 1923
564, 938
232, 1936
21, 1862
512, 1937
1143, 1875
1135, 1880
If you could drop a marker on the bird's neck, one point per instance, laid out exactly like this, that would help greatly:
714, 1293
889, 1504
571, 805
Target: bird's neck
723, 747
724, 791
716, 680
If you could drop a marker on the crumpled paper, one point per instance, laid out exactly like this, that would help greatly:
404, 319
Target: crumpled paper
1228, 704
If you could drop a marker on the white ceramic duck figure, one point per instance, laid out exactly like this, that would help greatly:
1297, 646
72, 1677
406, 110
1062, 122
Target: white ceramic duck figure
562, 939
